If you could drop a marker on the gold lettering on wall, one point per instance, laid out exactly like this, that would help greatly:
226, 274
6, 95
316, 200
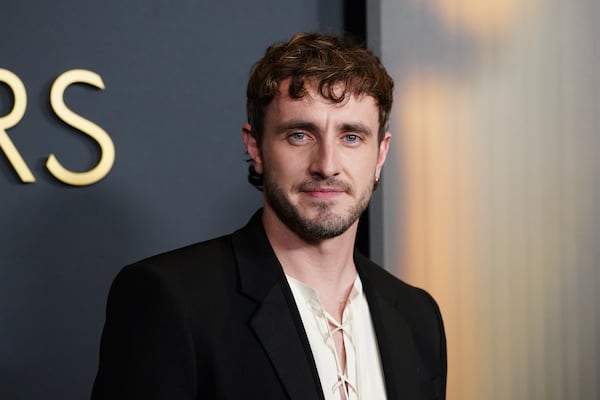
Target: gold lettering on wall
10, 120
107, 149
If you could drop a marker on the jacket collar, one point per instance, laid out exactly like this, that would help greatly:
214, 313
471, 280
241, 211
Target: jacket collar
276, 323
400, 362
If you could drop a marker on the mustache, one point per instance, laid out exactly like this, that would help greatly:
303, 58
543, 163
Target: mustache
315, 184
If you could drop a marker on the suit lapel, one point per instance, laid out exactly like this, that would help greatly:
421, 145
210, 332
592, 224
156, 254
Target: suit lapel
399, 359
275, 328
276, 323
278, 326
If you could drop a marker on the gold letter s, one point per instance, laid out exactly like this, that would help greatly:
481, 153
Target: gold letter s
107, 148
12, 119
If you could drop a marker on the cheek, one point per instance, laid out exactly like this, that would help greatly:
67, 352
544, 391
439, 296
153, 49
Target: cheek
284, 160
282, 170
367, 179
363, 168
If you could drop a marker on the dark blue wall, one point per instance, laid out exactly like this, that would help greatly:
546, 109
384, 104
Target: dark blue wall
175, 74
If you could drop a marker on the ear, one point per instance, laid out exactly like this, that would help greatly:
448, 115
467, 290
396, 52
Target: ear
252, 147
384, 146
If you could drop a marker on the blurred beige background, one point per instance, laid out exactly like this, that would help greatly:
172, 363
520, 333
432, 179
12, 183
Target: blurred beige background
491, 195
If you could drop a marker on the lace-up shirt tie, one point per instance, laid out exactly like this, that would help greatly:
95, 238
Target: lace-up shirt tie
361, 378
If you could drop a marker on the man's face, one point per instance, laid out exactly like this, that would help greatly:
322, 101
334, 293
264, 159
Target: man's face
319, 161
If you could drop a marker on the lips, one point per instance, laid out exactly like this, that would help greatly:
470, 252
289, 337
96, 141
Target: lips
325, 190
324, 193
322, 189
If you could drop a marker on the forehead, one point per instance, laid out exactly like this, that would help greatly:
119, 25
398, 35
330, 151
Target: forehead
312, 105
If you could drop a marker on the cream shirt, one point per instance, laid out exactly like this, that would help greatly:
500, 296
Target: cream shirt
363, 376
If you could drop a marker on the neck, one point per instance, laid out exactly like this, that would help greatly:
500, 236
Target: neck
326, 265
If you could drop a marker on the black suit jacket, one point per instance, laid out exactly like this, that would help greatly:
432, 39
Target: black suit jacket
217, 320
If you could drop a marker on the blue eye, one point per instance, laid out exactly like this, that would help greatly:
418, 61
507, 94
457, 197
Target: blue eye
351, 138
298, 136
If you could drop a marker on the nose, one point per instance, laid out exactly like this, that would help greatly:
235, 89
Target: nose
325, 161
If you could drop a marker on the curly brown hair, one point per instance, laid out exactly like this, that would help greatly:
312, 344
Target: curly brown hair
325, 60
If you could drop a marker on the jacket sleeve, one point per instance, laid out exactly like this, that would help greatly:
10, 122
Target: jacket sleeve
146, 350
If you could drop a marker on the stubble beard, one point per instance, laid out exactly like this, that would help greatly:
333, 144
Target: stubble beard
326, 224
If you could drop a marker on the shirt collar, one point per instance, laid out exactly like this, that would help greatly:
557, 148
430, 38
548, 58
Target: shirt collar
309, 293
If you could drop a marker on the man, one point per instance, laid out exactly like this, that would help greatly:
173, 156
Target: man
284, 308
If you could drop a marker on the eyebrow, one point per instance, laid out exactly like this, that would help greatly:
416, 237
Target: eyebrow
311, 127
298, 124
357, 127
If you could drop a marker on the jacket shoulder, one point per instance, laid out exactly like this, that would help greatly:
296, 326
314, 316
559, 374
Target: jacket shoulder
418, 309
187, 271
192, 258
395, 290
